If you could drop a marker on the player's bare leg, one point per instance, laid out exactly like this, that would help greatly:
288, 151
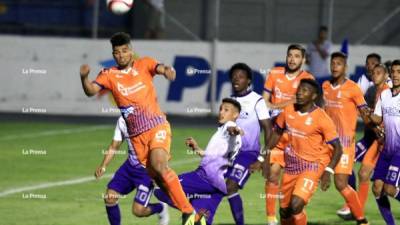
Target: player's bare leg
162, 209
297, 206
112, 208
294, 215
272, 192
382, 201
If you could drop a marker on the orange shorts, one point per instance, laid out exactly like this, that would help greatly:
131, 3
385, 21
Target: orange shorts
372, 155
157, 137
346, 162
302, 185
277, 155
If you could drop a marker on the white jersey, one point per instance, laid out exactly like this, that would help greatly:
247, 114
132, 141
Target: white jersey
121, 134
318, 66
220, 152
253, 110
364, 83
388, 106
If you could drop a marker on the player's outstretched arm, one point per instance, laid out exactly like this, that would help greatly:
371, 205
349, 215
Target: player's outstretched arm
281, 105
329, 170
100, 170
263, 159
233, 131
168, 71
88, 86
192, 144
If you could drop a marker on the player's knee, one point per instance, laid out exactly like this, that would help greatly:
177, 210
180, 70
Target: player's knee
232, 187
297, 205
340, 183
377, 189
364, 174
389, 190
138, 210
111, 197
285, 213
159, 161
274, 173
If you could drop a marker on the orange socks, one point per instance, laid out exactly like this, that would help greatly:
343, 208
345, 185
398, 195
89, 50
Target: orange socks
300, 219
175, 191
363, 193
352, 200
271, 194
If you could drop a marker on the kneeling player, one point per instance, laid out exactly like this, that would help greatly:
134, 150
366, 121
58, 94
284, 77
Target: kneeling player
308, 157
205, 187
129, 176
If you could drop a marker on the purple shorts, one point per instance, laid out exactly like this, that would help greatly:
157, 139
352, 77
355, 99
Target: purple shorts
239, 171
204, 197
129, 177
364, 144
388, 169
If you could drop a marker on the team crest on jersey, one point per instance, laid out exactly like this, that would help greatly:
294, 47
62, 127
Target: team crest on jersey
295, 84
308, 121
135, 72
339, 94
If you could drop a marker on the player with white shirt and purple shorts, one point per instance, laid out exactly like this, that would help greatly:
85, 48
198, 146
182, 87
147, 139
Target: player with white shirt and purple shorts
253, 117
205, 187
131, 175
387, 171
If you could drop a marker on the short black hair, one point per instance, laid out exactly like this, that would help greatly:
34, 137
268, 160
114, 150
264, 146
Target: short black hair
232, 101
120, 38
241, 66
297, 47
339, 55
323, 28
395, 62
374, 55
313, 84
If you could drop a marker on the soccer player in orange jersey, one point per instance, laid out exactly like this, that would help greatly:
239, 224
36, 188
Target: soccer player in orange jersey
131, 83
368, 148
343, 100
308, 157
279, 91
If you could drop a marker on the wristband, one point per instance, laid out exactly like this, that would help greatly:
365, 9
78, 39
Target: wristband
260, 158
103, 169
330, 170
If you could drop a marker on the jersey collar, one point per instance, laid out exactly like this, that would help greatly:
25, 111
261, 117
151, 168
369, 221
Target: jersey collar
242, 95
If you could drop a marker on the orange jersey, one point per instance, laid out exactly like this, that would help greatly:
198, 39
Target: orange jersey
281, 87
309, 133
134, 92
341, 104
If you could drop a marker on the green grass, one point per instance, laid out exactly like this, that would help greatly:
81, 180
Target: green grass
71, 155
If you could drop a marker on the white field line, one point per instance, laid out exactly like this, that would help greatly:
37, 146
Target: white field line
77, 180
